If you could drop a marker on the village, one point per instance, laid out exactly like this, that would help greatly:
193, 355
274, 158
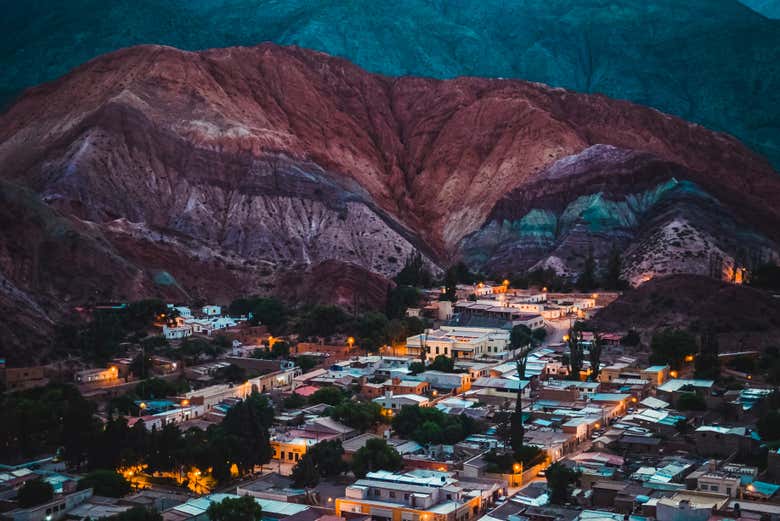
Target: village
500, 404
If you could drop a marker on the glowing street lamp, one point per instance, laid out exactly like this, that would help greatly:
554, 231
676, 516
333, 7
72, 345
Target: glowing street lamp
350, 341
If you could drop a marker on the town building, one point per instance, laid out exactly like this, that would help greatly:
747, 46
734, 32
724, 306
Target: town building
419, 495
461, 342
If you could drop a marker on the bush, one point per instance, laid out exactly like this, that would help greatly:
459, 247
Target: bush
375, 455
360, 416
294, 401
671, 346
105, 483
442, 363
429, 425
691, 402
330, 395
33, 493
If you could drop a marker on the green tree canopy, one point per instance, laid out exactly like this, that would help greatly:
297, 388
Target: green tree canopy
443, 363
416, 368
304, 473
671, 346
429, 425
244, 508
375, 455
107, 483
330, 395
360, 416
137, 514
559, 479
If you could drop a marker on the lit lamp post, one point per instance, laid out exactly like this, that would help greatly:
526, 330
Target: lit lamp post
141, 407
350, 342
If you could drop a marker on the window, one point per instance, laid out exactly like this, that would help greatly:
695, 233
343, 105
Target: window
290, 456
391, 493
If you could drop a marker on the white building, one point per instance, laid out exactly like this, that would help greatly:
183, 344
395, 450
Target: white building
177, 332
211, 310
395, 402
462, 342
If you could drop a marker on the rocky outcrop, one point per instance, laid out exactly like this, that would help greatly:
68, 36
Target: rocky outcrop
212, 173
608, 199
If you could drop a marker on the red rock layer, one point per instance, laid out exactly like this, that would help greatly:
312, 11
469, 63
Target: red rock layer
437, 155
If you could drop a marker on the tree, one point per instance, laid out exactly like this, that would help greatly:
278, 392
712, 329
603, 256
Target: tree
414, 272
559, 478
428, 425
247, 423
231, 373
520, 336
34, 492
690, 401
376, 454
361, 416
268, 311
244, 508
107, 483
707, 364
304, 473
587, 279
416, 368
294, 401
137, 514
671, 346
142, 364
594, 356
400, 298
322, 321
576, 355
769, 426
613, 278
450, 285
306, 363
330, 395
371, 331
516, 420
443, 363
328, 457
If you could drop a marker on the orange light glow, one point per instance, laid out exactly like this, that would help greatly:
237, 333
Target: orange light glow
689, 358
673, 374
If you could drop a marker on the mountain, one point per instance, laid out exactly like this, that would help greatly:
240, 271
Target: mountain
153, 171
768, 8
715, 62
740, 315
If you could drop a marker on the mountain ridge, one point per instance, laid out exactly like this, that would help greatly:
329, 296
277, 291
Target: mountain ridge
255, 163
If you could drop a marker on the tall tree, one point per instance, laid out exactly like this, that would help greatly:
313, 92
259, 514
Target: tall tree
559, 478
450, 285
613, 278
304, 473
575, 354
587, 279
516, 421
594, 356
707, 363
